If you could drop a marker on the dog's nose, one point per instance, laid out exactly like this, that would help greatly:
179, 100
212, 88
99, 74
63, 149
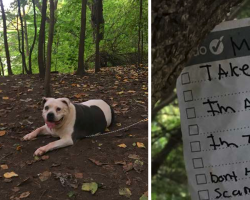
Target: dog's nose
50, 117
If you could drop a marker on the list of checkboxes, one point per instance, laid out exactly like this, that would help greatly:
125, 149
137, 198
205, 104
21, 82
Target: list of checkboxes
203, 195
185, 79
198, 163
191, 113
188, 95
201, 179
195, 146
193, 129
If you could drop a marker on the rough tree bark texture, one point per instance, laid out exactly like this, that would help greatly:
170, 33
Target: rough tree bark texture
80, 69
49, 49
178, 26
6, 45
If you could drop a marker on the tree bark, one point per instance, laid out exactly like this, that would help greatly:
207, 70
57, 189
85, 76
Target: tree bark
49, 49
34, 39
2, 70
80, 70
6, 46
22, 46
139, 37
41, 63
19, 43
98, 36
25, 32
178, 27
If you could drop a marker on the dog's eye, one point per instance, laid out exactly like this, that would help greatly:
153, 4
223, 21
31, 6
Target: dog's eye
46, 108
58, 109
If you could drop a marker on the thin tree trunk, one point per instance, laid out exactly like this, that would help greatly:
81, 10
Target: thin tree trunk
34, 40
18, 38
1, 66
49, 50
25, 32
80, 70
97, 53
6, 39
22, 31
41, 42
139, 36
141, 46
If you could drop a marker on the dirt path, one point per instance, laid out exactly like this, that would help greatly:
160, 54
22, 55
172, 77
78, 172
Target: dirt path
20, 112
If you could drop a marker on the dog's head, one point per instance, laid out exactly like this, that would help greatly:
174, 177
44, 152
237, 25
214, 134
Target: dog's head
55, 111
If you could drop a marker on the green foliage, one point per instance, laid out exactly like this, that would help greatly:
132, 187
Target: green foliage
120, 34
170, 183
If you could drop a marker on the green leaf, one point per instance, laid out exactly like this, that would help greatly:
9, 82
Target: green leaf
125, 192
90, 187
71, 194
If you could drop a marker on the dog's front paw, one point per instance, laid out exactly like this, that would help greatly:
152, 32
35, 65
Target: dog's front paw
29, 136
40, 151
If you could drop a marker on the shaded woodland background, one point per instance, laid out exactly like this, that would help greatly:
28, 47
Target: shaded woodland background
72, 35
183, 29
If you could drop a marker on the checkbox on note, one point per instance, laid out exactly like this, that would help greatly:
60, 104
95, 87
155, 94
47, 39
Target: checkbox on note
191, 113
185, 79
198, 163
195, 146
203, 195
193, 129
188, 95
201, 179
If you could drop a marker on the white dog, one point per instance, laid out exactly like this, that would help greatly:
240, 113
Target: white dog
71, 121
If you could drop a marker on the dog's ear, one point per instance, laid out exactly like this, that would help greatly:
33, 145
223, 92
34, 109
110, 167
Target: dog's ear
44, 100
65, 101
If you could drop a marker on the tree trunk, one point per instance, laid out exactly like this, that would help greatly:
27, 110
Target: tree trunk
6, 39
34, 40
2, 70
19, 43
22, 46
97, 52
80, 70
141, 46
178, 27
25, 32
49, 49
139, 37
41, 42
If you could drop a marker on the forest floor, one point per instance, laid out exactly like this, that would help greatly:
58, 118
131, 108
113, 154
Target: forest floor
61, 173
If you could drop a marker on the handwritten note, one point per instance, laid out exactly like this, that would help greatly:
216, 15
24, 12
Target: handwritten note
214, 100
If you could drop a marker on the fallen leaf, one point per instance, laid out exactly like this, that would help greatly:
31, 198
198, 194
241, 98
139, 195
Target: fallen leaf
4, 167
15, 189
71, 194
106, 130
128, 167
5, 98
37, 158
144, 196
44, 176
90, 187
140, 145
45, 157
138, 166
95, 162
18, 148
134, 144
24, 195
120, 92
120, 162
1, 91
122, 145
134, 156
125, 192
118, 124
10, 174
79, 175
2, 133
131, 91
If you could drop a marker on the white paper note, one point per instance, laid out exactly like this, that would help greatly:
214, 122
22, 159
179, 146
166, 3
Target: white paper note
214, 100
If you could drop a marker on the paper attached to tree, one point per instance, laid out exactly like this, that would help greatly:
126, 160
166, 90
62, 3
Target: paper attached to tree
214, 99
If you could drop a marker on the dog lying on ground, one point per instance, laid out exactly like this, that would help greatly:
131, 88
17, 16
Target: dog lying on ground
71, 121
